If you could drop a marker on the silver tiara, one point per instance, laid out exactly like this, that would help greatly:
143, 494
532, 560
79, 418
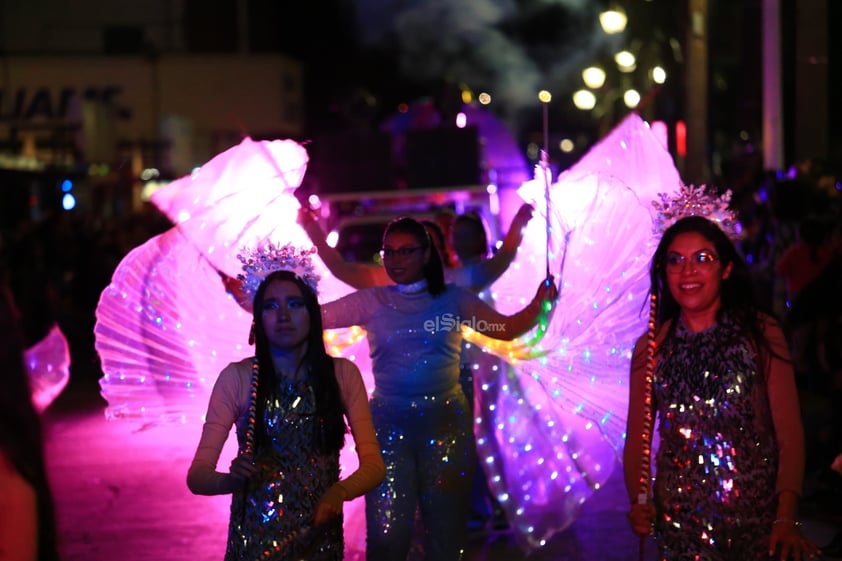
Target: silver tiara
267, 258
695, 201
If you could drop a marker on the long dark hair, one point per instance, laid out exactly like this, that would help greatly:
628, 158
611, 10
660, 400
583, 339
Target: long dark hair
322, 374
433, 269
21, 434
737, 294
440, 243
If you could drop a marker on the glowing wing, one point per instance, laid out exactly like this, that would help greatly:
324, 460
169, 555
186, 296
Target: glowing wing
165, 329
551, 428
48, 368
165, 325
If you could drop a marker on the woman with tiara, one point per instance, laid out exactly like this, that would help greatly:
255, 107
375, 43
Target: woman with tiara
288, 403
715, 372
549, 424
422, 417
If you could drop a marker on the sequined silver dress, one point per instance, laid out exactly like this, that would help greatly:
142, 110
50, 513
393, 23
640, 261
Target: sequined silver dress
717, 458
270, 516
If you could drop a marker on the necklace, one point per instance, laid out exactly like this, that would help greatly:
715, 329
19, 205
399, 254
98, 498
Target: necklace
412, 288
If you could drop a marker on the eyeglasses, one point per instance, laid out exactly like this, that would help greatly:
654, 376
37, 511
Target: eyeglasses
389, 253
701, 261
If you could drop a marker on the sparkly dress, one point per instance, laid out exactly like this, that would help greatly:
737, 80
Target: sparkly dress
270, 515
717, 463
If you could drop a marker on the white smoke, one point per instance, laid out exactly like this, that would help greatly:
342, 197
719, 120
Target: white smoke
484, 43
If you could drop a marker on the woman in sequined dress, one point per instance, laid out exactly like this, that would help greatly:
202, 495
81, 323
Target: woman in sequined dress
287, 493
420, 411
730, 462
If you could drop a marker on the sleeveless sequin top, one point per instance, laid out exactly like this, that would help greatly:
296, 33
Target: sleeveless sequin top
717, 459
270, 516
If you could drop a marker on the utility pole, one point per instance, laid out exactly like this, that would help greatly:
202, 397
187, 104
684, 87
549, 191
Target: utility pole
773, 127
696, 169
811, 136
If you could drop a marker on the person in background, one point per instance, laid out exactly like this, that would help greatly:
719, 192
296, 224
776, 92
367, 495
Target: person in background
799, 266
824, 419
287, 402
806, 258
469, 240
364, 275
422, 417
474, 268
27, 515
730, 462
444, 220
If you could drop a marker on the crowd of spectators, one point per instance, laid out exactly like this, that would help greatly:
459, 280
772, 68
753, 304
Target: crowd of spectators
57, 267
793, 239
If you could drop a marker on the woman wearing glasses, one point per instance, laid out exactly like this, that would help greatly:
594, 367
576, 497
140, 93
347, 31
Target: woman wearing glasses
729, 465
421, 416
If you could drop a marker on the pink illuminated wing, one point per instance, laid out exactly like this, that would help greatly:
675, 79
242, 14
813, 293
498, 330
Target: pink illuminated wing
48, 368
541, 461
602, 230
165, 328
239, 198
560, 415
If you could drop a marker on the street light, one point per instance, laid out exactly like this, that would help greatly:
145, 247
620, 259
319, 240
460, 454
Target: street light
594, 77
626, 62
659, 75
584, 100
613, 20
610, 92
631, 98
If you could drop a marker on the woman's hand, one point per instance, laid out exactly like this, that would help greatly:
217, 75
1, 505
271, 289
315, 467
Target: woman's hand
547, 291
330, 505
306, 216
242, 468
523, 216
234, 287
792, 544
642, 518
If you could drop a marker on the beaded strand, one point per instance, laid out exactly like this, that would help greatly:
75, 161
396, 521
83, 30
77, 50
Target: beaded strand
646, 456
248, 449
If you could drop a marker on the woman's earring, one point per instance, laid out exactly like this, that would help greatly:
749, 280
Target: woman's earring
251, 334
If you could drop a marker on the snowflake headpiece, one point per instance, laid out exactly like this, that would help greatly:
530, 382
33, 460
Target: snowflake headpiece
268, 258
695, 201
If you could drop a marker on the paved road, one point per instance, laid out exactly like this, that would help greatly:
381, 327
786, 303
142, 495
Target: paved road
121, 496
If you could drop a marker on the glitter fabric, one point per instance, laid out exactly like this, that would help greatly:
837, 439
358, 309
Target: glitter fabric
717, 459
270, 515
421, 416
428, 448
